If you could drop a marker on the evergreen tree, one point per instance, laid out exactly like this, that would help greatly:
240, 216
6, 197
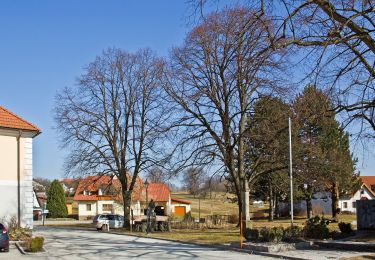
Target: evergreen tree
267, 151
56, 201
324, 161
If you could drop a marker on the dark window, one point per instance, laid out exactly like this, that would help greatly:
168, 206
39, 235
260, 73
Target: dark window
373, 187
88, 207
345, 205
353, 204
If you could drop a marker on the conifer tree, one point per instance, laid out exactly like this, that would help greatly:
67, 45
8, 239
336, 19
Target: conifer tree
56, 201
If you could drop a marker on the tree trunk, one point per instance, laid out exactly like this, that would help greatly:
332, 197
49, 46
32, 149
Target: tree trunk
335, 200
277, 213
270, 209
126, 204
309, 208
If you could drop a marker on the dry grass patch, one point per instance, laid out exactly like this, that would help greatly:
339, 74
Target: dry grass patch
204, 236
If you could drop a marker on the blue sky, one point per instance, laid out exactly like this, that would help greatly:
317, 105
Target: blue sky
45, 45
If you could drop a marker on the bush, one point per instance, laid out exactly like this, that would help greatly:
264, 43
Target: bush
35, 244
292, 234
19, 234
233, 219
274, 234
316, 228
251, 234
56, 201
188, 217
346, 228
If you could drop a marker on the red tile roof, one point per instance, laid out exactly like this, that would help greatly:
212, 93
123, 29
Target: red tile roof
158, 192
368, 180
181, 201
93, 183
11, 120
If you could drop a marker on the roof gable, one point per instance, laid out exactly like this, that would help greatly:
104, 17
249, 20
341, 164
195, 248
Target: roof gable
368, 180
158, 192
13, 121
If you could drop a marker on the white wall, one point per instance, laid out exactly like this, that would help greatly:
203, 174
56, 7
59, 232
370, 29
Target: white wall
357, 196
8, 178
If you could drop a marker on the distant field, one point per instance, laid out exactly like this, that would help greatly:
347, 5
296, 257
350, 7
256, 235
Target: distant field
218, 204
221, 204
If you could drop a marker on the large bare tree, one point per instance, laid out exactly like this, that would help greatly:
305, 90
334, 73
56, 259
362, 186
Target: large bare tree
224, 65
113, 121
335, 40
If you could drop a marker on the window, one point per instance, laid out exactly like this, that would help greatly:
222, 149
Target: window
345, 205
107, 207
353, 204
373, 187
88, 207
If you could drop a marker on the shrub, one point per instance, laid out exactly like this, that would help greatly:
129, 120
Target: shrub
188, 217
35, 244
233, 219
56, 201
292, 234
346, 228
316, 228
251, 234
274, 234
19, 234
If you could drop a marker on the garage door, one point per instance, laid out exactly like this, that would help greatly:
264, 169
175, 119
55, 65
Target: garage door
179, 210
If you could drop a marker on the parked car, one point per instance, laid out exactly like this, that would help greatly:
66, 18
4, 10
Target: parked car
113, 220
4, 238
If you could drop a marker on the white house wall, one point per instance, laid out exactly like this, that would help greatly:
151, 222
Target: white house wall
8, 179
357, 196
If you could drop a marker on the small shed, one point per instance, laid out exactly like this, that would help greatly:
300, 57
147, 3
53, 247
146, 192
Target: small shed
180, 207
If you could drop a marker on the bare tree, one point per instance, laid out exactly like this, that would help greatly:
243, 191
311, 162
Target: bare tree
336, 43
193, 180
224, 65
156, 174
112, 123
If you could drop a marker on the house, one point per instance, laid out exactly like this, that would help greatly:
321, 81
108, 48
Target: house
37, 207
161, 195
180, 207
16, 167
102, 194
366, 192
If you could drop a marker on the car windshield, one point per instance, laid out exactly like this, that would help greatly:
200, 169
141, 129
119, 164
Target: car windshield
111, 217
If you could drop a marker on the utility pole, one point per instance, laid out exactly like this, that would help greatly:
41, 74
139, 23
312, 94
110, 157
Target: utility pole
291, 172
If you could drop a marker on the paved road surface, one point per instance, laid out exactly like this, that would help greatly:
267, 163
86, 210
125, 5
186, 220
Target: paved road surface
63, 243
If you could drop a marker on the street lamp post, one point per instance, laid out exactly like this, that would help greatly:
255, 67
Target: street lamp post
291, 172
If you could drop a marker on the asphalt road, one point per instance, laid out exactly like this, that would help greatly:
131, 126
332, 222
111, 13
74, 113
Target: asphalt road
65, 243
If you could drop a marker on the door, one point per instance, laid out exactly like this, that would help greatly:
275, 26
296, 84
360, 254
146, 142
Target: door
180, 210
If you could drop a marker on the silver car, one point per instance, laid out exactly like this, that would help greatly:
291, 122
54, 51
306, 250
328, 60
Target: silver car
102, 221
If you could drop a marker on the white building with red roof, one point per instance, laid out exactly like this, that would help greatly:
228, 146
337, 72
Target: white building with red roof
366, 192
102, 194
16, 167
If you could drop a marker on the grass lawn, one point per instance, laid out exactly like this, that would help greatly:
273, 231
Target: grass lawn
203, 236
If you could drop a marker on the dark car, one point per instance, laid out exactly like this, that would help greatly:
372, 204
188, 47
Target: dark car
4, 238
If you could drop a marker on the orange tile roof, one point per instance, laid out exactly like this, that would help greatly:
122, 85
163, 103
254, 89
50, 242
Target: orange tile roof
11, 120
180, 201
368, 180
158, 192
93, 183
